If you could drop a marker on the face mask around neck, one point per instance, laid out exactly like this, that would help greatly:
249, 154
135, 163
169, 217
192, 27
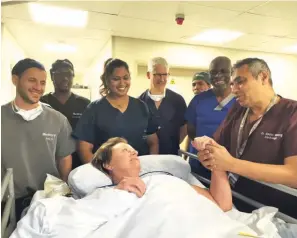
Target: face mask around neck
156, 98
27, 115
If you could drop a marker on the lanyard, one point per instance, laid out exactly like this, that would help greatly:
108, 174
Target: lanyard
241, 146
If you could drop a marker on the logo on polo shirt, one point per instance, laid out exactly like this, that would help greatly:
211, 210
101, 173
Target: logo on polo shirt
49, 136
271, 136
76, 114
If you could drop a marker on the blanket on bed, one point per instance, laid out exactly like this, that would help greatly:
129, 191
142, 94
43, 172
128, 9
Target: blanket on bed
169, 208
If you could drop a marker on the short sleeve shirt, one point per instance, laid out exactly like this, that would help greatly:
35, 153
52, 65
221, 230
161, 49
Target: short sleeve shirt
32, 148
169, 117
102, 121
72, 109
271, 142
203, 114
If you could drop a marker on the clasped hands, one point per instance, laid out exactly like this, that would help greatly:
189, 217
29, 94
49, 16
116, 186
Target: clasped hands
212, 155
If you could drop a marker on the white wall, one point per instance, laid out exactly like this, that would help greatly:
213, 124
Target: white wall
11, 53
92, 75
137, 51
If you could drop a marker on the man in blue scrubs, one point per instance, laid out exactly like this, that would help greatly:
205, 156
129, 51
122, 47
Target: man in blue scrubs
200, 82
208, 109
167, 107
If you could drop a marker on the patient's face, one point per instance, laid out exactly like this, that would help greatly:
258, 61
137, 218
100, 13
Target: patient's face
124, 161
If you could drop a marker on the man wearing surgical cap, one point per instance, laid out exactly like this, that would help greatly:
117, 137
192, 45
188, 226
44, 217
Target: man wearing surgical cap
62, 99
200, 82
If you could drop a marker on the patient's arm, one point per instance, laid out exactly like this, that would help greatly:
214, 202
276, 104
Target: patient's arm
64, 167
204, 192
220, 191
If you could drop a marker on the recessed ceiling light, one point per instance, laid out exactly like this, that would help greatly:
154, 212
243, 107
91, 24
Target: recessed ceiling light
217, 36
59, 47
291, 49
58, 16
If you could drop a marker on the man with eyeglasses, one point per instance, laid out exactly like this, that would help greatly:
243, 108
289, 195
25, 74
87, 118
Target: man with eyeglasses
63, 100
167, 107
208, 109
200, 82
257, 140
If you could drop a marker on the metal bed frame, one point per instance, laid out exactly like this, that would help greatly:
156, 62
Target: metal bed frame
250, 201
8, 217
8, 221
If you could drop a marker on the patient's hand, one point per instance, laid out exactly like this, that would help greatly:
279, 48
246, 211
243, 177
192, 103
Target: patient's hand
132, 185
199, 143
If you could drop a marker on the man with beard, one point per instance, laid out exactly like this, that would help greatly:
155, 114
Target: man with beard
63, 100
36, 140
207, 110
167, 107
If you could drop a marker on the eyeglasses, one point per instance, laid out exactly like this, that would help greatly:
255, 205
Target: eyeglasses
161, 75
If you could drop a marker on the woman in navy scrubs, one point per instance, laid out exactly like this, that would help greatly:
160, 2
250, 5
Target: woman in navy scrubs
116, 115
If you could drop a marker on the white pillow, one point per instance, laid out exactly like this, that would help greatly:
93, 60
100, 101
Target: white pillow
85, 179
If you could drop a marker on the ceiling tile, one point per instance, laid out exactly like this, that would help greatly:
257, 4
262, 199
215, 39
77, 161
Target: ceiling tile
231, 5
256, 24
127, 25
247, 41
156, 21
280, 9
207, 16
154, 11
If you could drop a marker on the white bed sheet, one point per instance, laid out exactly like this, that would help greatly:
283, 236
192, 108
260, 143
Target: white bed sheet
170, 208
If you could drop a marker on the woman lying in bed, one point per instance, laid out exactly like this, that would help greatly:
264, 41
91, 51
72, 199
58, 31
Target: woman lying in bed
120, 162
164, 205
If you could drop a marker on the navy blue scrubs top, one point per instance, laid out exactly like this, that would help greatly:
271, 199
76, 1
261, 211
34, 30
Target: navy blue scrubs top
102, 121
169, 117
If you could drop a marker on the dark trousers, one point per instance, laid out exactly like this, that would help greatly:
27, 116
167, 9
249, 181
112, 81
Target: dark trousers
21, 204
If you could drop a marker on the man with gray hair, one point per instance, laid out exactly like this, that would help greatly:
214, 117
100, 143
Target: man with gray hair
258, 138
167, 107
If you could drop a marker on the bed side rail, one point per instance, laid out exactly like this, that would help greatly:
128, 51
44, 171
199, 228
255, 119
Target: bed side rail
247, 200
7, 195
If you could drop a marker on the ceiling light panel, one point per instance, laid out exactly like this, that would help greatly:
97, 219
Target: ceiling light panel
217, 36
58, 16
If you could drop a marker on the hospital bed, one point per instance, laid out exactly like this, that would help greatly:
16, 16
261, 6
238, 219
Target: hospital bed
8, 217
247, 200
